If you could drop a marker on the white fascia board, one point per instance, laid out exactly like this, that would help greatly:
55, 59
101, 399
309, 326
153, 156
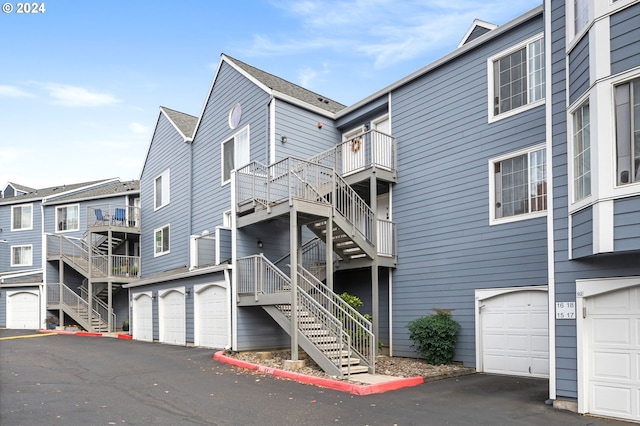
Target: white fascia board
476, 23
185, 138
178, 276
50, 198
302, 104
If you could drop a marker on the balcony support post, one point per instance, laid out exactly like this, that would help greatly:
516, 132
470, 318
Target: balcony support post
375, 298
295, 237
60, 293
329, 252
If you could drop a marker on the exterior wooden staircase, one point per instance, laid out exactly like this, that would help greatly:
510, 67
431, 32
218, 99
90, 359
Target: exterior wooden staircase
338, 338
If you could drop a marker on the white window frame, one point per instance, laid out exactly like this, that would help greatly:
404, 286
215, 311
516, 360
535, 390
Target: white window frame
635, 179
165, 189
572, 154
57, 222
30, 255
22, 214
241, 156
491, 80
155, 232
492, 187
226, 219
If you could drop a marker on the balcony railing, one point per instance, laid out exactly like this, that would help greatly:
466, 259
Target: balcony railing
125, 266
113, 215
371, 148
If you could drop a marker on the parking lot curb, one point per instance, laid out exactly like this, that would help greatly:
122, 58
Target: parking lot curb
352, 388
125, 336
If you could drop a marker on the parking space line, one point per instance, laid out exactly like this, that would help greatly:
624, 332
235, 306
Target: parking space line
28, 336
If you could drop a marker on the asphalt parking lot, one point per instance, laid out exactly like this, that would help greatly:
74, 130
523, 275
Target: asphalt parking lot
73, 380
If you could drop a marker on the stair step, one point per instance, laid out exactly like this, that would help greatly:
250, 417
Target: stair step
355, 369
323, 339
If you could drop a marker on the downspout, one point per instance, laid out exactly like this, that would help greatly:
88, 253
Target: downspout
189, 142
43, 265
550, 212
271, 133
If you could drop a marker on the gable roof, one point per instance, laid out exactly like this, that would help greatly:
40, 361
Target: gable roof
116, 188
184, 123
285, 87
39, 194
477, 28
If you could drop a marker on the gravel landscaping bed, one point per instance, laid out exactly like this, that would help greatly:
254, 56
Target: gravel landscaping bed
390, 366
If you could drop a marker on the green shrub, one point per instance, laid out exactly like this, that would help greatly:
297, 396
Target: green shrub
434, 336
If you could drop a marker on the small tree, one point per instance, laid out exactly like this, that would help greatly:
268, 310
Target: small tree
434, 336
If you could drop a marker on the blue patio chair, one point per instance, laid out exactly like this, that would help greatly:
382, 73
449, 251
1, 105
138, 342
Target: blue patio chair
120, 216
101, 218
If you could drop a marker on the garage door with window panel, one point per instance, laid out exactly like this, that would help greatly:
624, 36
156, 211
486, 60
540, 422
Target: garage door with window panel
172, 321
212, 316
23, 310
514, 334
612, 351
142, 324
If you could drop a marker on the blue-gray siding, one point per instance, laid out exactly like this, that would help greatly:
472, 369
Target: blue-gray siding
31, 237
626, 226
579, 69
441, 202
582, 233
625, 39
167, 151
568, 271
304, 137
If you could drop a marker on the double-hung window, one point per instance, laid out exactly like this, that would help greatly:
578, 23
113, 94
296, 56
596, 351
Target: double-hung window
68, 218
627, 102
235, 153
581, 153
161, 190
517, 78
519, 184
161, 241
21, 255
22, 217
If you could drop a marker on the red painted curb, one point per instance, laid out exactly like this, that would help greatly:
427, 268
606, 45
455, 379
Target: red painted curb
351, 388
86, 333
125, 336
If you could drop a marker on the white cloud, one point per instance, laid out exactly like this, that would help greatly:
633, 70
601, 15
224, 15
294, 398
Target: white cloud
306, 76
14, 92
138, 128
74, 96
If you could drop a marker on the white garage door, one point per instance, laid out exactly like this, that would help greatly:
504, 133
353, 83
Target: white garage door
23, 310
211, 317
142, 326
172, 318
613, 352
514, 334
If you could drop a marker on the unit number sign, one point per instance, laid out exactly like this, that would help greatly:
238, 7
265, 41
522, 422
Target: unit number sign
565, 310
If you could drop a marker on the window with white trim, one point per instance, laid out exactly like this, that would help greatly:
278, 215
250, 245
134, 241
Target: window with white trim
627, 117
581, 153
68, 218
22, 255
517, 78
226, 219
519, 184
22, 217
161, 241
161, 192
235, 153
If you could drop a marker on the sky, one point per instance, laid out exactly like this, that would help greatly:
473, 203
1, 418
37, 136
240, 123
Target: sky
81, 81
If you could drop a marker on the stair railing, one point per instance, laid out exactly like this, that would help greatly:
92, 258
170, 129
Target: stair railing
97, 304
354, 209
258, 276
76, 255
70, 301
329, 323
371, 148
355, 325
